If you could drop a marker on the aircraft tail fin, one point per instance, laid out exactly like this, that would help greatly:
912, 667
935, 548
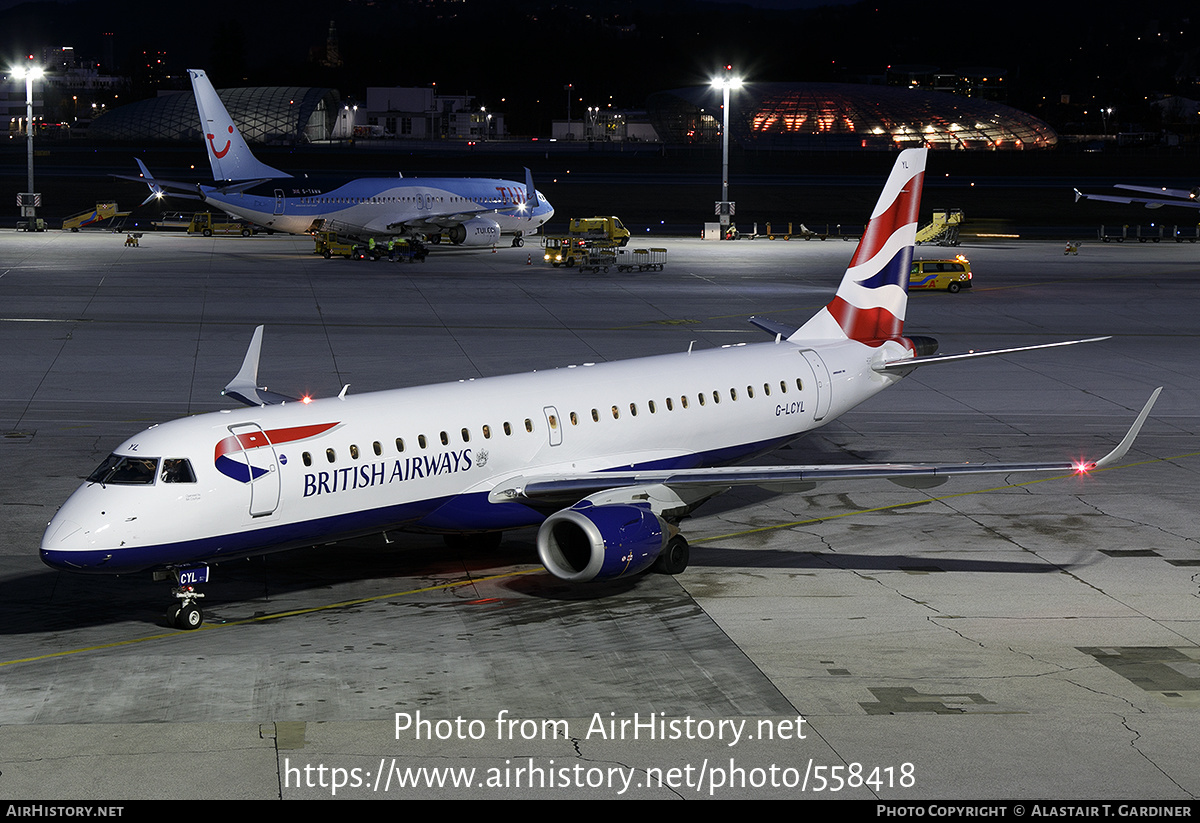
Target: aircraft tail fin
531, 198
228, 153
871, 301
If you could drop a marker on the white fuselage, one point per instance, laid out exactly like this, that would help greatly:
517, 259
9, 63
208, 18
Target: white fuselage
382, 206
425, 458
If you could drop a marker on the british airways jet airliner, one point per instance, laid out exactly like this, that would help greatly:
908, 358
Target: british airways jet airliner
608, 458
463, 211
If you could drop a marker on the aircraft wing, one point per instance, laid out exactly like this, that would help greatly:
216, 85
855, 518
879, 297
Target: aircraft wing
446, 220
1150, 196
677, 491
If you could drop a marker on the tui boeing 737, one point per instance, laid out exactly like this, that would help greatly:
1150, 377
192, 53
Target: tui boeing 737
464, 211
608, 458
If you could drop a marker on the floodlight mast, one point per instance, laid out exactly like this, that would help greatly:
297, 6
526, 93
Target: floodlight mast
30, 73
725, 82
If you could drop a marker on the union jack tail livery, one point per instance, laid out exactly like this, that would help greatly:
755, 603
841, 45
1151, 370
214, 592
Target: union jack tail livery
871, 300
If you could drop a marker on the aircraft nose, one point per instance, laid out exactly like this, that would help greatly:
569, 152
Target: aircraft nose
63, 543
70, 543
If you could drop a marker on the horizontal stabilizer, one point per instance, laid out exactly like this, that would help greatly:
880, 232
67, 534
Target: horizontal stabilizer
912, 362
773, 327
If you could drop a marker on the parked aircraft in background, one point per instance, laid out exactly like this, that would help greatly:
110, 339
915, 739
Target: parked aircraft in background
608, 458
464, 211
1153, 197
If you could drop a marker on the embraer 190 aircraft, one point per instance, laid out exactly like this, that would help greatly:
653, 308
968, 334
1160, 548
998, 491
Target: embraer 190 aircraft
464, 211
608, 458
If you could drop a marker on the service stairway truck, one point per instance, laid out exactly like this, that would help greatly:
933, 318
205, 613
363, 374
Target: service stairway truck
944, 228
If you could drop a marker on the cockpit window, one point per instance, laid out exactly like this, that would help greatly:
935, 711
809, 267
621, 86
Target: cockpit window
126, 471
177, 470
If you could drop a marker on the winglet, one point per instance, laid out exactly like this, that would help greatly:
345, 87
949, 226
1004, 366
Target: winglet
244, 387
156, 191
1119, 452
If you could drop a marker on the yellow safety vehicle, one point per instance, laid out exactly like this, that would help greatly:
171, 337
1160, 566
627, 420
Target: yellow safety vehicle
951, 275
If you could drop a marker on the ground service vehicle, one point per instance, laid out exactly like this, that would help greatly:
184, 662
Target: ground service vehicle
103, 211
563, 250
328, 245
951, 275
599, 229
204, 223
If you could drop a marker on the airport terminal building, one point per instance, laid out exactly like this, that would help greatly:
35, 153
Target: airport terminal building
270, 115
845, 116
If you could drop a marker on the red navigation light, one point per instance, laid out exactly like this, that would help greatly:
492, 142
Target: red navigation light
306, 399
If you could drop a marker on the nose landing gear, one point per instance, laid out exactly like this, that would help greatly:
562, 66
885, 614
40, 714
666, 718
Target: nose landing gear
186, 613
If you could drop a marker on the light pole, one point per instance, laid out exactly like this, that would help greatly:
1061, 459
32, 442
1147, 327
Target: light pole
725, 83
569, 88
29, 198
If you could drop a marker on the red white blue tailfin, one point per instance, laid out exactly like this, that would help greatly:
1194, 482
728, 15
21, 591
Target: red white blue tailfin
871, 301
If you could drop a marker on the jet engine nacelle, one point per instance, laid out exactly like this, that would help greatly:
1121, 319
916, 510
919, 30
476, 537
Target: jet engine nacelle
588, 542
478, 231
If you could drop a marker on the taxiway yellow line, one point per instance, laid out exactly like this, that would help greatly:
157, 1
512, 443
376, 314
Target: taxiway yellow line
263, 617
922, 502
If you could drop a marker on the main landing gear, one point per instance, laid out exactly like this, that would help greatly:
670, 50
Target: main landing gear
674, 557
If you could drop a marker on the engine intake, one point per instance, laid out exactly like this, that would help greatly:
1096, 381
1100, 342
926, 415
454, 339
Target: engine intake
478, 231
588, 542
